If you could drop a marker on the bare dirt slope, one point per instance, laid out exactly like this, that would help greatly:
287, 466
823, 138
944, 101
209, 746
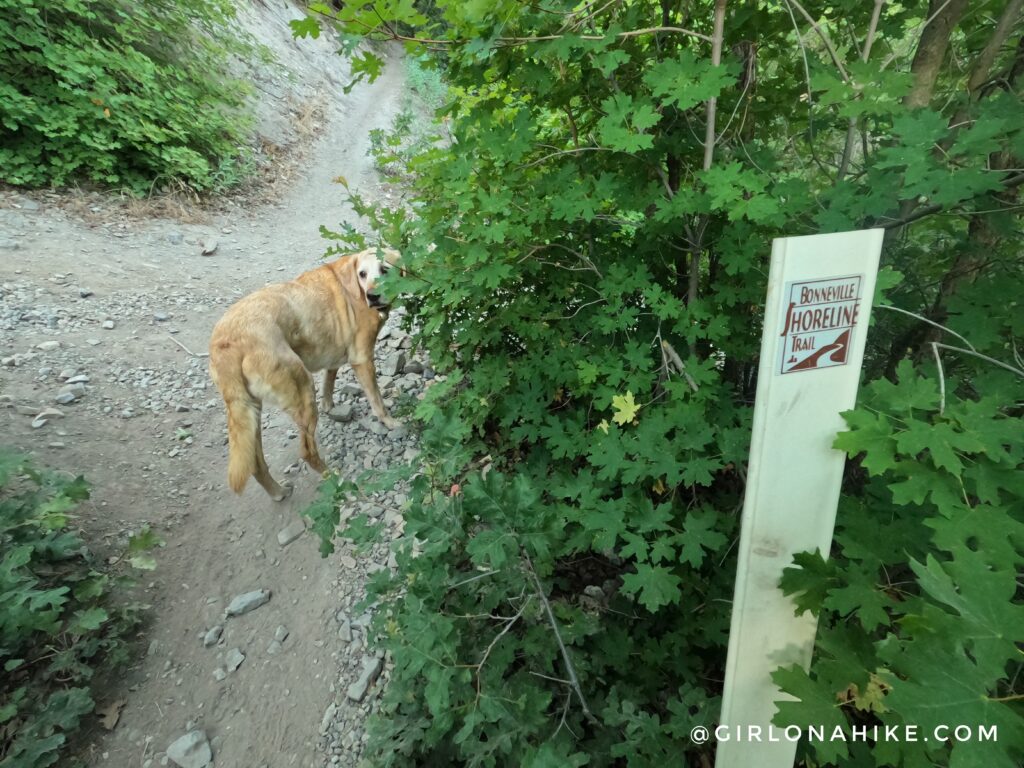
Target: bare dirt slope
110, 298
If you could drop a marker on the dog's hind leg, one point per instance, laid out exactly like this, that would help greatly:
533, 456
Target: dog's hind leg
327, 396
276, 491
294, 387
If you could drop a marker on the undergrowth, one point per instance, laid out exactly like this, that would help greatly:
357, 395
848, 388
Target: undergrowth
61, 619
127, 95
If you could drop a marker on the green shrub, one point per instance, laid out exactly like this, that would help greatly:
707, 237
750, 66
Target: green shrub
594, 301
131, 95
58, 623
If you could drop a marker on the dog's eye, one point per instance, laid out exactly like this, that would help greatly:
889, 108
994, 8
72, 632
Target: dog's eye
362, 273
384, 270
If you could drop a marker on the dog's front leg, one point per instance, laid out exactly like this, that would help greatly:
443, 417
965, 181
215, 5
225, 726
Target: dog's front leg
367, 377
327, 396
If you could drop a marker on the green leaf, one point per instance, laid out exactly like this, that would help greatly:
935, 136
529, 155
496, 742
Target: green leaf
699, 535
625, 122
625, 408
306, 27
654, 586
815, 706
88, 620
871, 434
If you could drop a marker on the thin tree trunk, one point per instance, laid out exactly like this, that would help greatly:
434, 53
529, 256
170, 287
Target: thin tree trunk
943, 16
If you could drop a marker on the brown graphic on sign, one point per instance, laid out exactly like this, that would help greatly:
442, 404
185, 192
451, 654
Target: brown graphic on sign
818, 322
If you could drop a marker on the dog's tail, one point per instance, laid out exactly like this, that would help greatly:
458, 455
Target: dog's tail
243, 416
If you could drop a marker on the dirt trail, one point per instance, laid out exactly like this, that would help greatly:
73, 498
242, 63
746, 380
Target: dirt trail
148, 433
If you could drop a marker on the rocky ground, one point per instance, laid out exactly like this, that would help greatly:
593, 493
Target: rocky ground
254, 653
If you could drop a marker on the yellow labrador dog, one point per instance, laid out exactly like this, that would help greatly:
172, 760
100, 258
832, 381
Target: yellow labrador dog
269, 343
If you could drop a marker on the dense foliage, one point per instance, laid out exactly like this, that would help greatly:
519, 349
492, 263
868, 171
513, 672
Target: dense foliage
594, 300
130, 95
59, 626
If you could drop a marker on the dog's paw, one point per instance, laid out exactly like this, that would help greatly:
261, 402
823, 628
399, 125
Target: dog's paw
284, 493
390, 423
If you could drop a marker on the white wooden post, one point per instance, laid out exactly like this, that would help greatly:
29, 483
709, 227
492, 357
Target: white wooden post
820, 289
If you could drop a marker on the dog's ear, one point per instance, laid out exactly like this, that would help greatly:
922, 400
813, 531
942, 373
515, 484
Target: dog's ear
394, 259
347, 276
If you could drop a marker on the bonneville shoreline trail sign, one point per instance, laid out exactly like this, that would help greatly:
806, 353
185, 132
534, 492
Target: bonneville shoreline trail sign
820, 289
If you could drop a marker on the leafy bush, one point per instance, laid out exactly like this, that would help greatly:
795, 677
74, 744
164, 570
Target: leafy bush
58, 625
918, 625
593, 302
124, 94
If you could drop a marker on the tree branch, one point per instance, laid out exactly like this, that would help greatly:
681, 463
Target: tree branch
693, 288
931, 50
824, 38
1008, 183
851, 131
569, 668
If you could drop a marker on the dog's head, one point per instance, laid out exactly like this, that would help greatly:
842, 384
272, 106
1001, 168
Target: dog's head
365, 269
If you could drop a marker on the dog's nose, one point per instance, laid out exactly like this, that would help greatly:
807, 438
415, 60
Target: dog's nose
373, 298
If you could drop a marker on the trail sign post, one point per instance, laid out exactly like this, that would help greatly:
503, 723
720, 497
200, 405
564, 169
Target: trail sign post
816, 320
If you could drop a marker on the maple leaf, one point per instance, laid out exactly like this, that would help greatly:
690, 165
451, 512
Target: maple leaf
870, 434
699, 535
625, 407
816, 705
654, 585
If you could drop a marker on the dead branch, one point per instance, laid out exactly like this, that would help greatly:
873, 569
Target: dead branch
194, 354
676, 362
569, 668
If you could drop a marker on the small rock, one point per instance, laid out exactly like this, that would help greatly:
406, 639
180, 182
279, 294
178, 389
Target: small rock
175, 238
85, 293
65, 397
79, 379
29, 205
93, 342
191, 751
48, 346
287, 535
281, 633
351, 389
413, 366
342, 412
6, 244
108, 325
345, 631
274, 648
374, 426
209, 245
328, 718
234, 659
67, 373
212, 635
219, 674
393, 364
371, 668
161, 317
250, 601
181, 408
